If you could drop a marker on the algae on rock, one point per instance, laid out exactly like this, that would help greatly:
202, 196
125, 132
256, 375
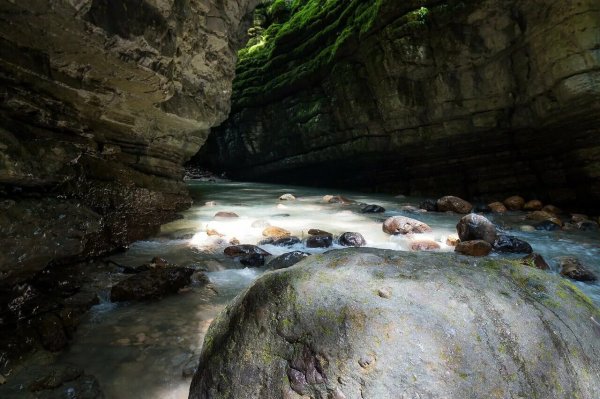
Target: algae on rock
447, 326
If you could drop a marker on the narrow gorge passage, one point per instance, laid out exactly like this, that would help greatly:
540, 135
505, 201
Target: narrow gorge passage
299, 199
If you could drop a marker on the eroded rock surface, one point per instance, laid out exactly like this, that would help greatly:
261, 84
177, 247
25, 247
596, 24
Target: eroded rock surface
101, 103
477, 98
382, 324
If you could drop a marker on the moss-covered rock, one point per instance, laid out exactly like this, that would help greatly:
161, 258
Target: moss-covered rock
382, 324
425, 97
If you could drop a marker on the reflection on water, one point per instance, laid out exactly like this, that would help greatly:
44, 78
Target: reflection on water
147, 350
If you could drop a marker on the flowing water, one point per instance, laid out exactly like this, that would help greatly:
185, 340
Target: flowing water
148, 350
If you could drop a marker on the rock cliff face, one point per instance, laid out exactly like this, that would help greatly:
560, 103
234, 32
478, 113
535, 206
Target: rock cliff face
101, 103
473, 98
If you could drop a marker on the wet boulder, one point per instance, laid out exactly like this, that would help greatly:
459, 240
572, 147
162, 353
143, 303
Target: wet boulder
274, 231
350, 239
473, 248
574, 269
587, 225
544, 216
512, 244
450, 203
547, 225
318, 232
151, 284
286, 241
248, 255
514, 203
371, 323
535, 260
319, 241
372, 208
226, 215
476, 227
244, 249
429, 205
424, 245
287, 197
497, 207
287, 259
533, 205
403, 225
252, 260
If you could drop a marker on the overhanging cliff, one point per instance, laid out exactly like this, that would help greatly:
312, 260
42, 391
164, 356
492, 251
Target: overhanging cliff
475, 98
102, 101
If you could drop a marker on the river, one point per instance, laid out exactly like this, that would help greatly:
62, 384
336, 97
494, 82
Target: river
146, 350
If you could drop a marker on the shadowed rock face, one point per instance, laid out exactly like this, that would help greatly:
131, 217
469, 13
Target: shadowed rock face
476, 98
384, 324
101, 103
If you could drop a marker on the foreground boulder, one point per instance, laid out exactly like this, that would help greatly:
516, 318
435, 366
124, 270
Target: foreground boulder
151, 284
382, 324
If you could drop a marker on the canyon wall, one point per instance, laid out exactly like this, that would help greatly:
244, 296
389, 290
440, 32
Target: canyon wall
102, 101
480, 99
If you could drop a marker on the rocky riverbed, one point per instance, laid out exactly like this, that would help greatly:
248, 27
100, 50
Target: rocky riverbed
236, 232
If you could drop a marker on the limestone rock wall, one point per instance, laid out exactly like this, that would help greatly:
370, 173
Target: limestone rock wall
473, 98
101, 102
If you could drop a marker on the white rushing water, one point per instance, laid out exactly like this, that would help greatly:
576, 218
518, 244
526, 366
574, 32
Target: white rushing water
141, 350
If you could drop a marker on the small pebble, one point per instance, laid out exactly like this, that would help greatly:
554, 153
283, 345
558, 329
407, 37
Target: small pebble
384, 293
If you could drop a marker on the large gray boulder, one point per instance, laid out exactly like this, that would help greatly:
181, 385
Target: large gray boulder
366, 323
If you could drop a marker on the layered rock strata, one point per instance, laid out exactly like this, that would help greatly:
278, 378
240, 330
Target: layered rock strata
474, 98
101, 104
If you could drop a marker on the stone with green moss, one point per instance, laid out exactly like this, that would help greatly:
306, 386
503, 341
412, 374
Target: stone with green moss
448, 326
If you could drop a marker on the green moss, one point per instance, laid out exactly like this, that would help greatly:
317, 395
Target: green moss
567, 289
302, 40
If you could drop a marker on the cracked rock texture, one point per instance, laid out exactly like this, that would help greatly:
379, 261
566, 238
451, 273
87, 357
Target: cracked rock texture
101, 102
472, 98
365, 323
